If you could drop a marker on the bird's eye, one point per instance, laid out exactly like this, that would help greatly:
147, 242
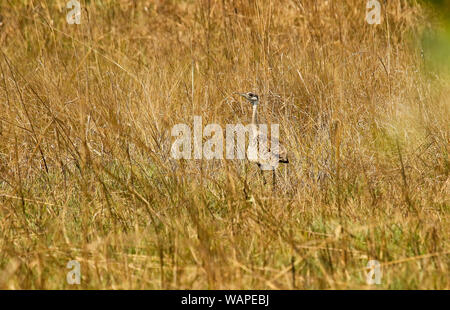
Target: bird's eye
251, 94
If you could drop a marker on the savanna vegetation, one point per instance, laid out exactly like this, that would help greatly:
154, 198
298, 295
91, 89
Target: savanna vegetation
86, 174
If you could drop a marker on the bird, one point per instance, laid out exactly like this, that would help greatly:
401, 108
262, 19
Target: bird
268, 158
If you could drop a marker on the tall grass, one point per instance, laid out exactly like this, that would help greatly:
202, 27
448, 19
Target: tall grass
86, 113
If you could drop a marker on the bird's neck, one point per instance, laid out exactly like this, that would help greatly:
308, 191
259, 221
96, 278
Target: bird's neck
255, 114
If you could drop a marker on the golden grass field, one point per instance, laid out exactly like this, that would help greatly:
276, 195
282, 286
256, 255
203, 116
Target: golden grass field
86, 113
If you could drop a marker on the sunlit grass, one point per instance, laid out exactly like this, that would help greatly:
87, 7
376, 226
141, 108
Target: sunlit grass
86, 113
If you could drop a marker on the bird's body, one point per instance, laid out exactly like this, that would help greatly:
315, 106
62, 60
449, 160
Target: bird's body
270, 157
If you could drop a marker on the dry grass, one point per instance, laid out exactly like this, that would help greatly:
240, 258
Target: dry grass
85, 173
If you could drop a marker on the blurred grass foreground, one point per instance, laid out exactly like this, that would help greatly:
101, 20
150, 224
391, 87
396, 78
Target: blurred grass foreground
86, 112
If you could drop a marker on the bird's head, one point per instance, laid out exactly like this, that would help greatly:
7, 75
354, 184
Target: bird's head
251, 97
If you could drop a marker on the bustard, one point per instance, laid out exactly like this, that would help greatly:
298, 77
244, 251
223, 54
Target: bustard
269, 157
